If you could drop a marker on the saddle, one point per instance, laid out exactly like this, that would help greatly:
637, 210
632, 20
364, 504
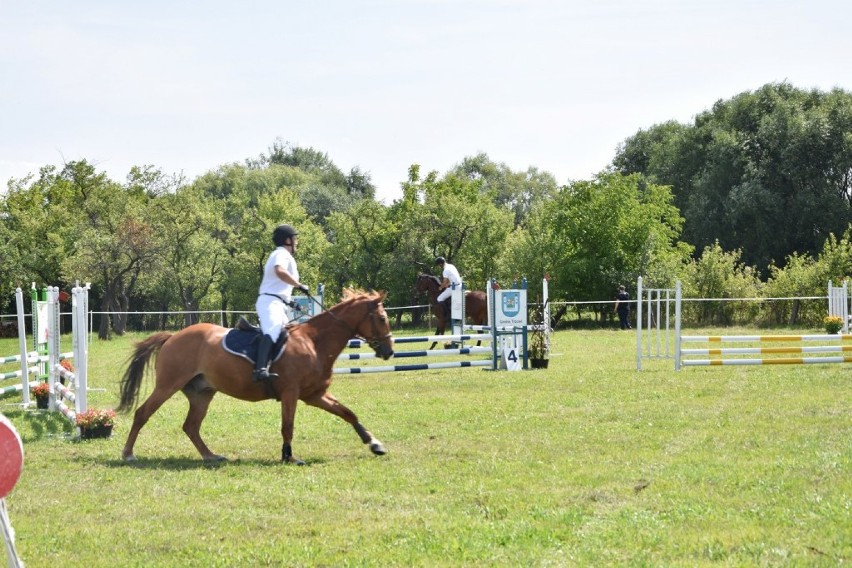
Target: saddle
243, 339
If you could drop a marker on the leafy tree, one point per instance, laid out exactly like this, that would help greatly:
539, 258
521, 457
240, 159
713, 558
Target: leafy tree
329, 189
596, 234
191, 256
776, 157
517, 191
247, 204
364, 241
720, 274
113, 238
454, 218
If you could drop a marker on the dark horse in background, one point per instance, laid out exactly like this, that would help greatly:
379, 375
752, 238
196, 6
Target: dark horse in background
193, 361
475, 303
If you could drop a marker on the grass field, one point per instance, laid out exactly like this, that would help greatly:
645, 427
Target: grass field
587, 463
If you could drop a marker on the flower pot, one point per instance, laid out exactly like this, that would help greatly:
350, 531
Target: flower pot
539, 363
95, 432
42, 402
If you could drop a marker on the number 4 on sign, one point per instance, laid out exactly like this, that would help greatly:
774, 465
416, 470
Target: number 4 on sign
511, 361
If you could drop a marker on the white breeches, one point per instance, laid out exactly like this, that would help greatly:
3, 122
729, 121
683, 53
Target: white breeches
272, 315
448, 291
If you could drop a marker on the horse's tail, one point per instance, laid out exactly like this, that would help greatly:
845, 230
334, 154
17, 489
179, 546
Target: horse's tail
132, 379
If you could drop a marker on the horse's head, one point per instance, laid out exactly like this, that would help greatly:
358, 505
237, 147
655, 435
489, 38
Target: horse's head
426, 283
373, 325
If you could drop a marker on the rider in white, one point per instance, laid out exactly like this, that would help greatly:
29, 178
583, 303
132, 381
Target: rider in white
280, 276
450, 278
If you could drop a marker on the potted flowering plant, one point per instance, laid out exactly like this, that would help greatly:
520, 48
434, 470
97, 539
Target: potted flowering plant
833, 324
96, 423
41, 392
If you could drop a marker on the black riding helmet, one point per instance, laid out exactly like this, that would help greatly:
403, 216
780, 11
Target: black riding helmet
282, 233
440, 260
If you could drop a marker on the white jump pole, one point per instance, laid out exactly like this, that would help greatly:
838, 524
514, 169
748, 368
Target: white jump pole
22, 344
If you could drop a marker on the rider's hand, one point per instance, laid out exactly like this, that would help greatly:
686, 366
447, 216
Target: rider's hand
304, 289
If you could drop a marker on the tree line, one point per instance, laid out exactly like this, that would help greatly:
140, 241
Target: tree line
752, 199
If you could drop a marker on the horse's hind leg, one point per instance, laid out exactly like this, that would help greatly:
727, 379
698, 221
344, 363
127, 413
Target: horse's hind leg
199, 402
330, 404
141, 416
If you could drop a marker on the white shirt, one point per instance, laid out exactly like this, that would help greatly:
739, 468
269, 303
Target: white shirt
270, 283
451, 273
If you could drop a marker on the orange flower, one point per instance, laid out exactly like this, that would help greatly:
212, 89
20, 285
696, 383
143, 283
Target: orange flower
41, 390
96, 417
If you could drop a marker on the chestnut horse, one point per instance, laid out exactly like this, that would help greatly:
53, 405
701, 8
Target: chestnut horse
475, 303
193, 361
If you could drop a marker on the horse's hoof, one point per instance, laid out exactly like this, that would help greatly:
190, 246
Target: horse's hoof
129, 458
378, 449
295, 461
215, 459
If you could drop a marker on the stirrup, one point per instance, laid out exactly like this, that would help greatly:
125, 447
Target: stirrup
261, 375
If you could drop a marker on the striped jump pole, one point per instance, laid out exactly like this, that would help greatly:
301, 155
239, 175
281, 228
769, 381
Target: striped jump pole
353, 343
414, 367
22, 347
423, 353
838, 344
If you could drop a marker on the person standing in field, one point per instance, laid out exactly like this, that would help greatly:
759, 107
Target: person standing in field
622, 307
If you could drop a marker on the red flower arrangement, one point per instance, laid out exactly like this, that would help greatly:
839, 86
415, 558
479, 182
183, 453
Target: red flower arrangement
41, 390
96, 417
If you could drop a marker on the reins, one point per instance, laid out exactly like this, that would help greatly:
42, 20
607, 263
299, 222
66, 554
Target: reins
375, 341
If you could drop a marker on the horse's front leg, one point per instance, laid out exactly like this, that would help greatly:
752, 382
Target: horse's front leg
288, 418
330, 404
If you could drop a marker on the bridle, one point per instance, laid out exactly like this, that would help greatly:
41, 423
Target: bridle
375, 342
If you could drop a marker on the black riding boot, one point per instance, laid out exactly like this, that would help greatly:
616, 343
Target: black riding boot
447, 306
261, 365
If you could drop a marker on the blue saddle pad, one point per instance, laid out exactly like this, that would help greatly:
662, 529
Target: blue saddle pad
244, 344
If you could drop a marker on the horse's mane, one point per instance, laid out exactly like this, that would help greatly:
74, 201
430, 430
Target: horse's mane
429, 277
352, 293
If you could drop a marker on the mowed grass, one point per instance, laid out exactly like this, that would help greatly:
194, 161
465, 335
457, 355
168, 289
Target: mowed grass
588, 463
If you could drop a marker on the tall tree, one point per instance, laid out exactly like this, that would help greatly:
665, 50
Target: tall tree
114, 240
767, 172
596, 234
452, 217
516, 191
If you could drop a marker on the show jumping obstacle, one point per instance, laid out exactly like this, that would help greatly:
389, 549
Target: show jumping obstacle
653, 323
839, 344
354, 343
57, 375
838, 303
656, 340
31, 363
508, 338
45, 362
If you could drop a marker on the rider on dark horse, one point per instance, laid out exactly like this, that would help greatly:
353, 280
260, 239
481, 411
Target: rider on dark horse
450, 279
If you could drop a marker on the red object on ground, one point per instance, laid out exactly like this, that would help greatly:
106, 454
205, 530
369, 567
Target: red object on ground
11, 456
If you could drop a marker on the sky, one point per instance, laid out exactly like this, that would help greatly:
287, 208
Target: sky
383, 84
